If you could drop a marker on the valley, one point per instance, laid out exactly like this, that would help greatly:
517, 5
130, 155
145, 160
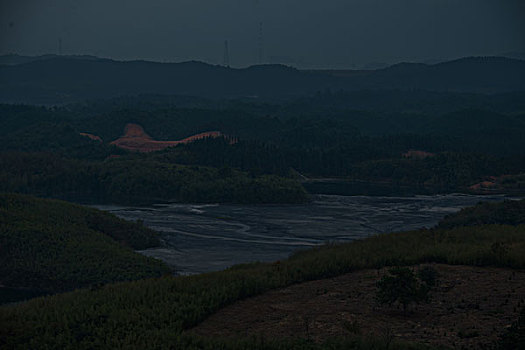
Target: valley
205, 238
188, 205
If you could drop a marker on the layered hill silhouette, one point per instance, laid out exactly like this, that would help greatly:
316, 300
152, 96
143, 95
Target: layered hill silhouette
61, 79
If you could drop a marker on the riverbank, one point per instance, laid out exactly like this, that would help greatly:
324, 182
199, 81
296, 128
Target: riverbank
202, 238
158, 312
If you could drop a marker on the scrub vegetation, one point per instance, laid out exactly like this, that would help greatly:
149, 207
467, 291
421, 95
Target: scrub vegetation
155, 313
508, 213
50, 246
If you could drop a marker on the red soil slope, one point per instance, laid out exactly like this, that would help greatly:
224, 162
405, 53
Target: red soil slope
415, 154
136, 139
91, 136
495, 184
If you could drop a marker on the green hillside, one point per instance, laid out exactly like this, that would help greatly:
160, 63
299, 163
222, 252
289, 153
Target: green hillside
52, 246
138, 179
155, 313
506, 213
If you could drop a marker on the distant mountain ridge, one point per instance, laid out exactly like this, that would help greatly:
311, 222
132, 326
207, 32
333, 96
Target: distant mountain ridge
62, 79
14, 59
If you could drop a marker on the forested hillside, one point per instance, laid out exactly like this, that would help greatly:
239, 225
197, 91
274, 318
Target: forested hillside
157, 312
49, 246
402, 152
506, 213
139, 180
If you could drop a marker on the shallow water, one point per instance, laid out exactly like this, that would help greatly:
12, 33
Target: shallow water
202, 238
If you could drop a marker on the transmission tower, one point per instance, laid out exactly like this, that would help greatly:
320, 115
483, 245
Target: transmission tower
60, 46
226, 60
261, 43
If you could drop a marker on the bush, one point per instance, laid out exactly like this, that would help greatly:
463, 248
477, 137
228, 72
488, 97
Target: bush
428, 275
401, 286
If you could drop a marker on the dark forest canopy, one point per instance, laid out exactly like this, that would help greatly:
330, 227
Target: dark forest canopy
292, 125
132, 180
274, 143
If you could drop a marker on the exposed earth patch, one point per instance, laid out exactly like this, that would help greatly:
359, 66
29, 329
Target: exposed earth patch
471, 307
136, 139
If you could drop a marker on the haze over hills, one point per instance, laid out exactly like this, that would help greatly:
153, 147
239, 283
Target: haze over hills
61, 79
14, 59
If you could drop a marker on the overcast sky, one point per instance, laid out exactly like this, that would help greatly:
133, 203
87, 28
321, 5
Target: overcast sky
302, 33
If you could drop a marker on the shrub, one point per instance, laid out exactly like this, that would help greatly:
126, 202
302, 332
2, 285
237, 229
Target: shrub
428, 275
401, 286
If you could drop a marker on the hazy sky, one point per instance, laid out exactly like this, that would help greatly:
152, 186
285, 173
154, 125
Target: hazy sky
303, 33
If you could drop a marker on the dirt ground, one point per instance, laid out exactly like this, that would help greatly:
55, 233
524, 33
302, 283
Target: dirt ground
469, 309
136, 139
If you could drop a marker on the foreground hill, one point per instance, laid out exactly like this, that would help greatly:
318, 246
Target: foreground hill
469, 310
156, 313
49, 246
65, 79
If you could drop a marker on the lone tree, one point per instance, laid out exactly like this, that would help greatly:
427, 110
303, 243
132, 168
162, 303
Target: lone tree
428, 275
401, 286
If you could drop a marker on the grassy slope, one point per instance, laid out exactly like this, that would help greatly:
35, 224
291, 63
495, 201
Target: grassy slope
508, 212
154, 313
54, 246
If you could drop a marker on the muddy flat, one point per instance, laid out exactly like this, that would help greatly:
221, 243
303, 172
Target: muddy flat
202, 238
470, 308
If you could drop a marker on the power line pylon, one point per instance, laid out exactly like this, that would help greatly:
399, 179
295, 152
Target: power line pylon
226, 59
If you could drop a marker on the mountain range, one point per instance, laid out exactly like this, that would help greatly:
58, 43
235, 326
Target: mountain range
52, 79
